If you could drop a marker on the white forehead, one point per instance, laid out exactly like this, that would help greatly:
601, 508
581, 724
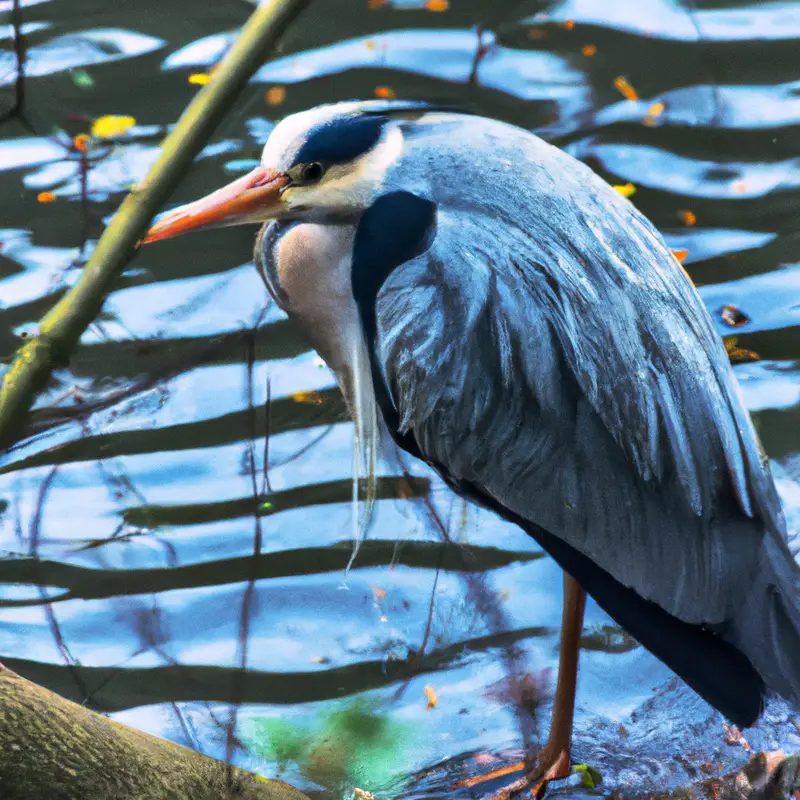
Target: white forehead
290, 133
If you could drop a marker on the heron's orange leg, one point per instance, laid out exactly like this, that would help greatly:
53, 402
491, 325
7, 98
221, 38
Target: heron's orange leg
556, 753
554, 758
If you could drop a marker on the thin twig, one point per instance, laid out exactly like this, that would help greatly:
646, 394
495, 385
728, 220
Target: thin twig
237, 692
17, 110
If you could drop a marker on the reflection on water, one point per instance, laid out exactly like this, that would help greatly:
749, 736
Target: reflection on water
128, 514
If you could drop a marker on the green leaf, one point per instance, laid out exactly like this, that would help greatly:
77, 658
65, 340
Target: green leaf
590, 777
82, 79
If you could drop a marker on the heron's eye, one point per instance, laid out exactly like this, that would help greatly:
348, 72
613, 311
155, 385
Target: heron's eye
312, 172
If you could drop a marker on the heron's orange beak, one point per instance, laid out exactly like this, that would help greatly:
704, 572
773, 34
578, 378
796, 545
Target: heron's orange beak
250, 198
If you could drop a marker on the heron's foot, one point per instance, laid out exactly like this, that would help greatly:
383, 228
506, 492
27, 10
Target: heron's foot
553, 764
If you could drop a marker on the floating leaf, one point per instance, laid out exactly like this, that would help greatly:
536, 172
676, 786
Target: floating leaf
626, 189
732, 734
437, 5
82, 142
590, 777
653, 113
733, 316
376, 3
490, 776
385, 93
199, 78
275, 95
82, 79
740, 355
681, 255
625, 89
569, 24
111, 125
315, 398
430, 694
589, 49
688, 217
45, 197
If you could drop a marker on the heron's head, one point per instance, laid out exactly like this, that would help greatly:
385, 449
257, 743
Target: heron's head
326, 165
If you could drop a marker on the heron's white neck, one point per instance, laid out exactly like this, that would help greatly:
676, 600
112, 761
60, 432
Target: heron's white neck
312, 264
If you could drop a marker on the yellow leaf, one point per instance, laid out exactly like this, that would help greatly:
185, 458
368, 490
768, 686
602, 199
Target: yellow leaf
626, 189
111, 125
199, 79
433, 700
312, 397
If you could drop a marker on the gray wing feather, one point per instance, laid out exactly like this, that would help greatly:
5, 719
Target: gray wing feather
559, 357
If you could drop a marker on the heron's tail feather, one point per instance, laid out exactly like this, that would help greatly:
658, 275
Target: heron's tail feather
766, 626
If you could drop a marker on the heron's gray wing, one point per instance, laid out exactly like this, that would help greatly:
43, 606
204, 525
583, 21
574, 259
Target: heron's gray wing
573, 374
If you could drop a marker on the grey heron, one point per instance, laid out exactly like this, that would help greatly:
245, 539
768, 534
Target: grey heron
521, 327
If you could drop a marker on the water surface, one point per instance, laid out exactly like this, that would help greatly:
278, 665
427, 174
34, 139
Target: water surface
129, 512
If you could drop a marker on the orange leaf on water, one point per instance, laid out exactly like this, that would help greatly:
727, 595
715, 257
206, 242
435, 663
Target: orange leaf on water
653, 113
490, 776
81, 142
378, 593
385, 93
688, 217
437, 5
625, 89
589, 49
433, 700
681, 255
45, 197
275, 95
569, 24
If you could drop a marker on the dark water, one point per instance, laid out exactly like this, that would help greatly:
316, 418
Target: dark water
129, 513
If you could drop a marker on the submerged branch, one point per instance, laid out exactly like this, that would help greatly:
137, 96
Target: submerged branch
61, 329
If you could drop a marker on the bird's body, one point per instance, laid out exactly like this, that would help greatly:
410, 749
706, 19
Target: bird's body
525, 330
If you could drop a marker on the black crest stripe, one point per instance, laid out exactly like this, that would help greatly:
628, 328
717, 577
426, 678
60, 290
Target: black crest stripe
341, 140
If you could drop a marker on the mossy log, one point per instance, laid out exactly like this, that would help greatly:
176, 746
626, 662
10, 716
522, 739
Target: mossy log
54, 749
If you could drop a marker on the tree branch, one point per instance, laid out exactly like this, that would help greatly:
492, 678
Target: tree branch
62, 327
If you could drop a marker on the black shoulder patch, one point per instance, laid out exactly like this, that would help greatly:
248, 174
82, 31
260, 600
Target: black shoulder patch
341, 140
397, 227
